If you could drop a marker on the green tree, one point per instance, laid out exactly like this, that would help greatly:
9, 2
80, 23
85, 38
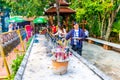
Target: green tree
112, 15
28, 7
116, 28
99, 13
3, 5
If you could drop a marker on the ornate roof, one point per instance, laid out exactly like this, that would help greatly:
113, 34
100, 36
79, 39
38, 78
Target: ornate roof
63, 9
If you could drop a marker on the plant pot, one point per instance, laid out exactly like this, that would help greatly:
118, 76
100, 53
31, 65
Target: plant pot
59, 67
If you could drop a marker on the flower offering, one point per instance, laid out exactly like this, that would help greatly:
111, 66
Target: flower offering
61, 54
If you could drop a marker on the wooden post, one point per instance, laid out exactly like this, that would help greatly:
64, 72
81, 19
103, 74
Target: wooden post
57, 11
83, 24
106, 47
51, 19
5, 61
90, 41
21, 41
67, 19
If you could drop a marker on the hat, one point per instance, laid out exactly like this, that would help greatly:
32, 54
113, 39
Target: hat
75, 23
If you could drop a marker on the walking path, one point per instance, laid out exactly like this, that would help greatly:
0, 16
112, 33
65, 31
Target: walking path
39, 66
106, 60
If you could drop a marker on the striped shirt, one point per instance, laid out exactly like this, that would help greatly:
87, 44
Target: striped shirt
76, 35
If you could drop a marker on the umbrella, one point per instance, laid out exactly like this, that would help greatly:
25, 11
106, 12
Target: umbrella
16, 19
40, 20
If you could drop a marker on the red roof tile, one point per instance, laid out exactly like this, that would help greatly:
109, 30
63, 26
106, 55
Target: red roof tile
62, 10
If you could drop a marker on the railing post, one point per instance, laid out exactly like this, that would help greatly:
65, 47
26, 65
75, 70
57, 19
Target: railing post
21, 41
5, 61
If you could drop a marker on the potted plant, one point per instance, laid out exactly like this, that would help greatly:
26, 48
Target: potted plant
60, 59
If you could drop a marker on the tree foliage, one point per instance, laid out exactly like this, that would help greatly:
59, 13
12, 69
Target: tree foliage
116, 27
27, 7
100, 14
3, 5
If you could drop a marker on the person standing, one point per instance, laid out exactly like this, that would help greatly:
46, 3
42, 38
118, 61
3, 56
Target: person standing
86, 33
10, 27
77, 36
28, 31
54, 30
61, 32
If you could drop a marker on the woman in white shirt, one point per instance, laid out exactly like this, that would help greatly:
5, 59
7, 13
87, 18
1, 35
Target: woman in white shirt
61, 32
10, 27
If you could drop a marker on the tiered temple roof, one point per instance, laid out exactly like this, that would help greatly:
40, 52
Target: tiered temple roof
63, 9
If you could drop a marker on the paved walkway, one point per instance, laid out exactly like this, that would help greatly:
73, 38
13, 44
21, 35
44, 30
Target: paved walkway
39, 66
106, 60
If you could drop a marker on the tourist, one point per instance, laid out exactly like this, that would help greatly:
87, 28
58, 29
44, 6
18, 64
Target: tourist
54, 29
77, 36
28, 31
10, 27
86, 33
61, 32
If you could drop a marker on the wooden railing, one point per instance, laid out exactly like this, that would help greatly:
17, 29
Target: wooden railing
9, 42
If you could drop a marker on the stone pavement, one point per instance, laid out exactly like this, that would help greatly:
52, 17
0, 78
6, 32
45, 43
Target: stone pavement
106, 60
39, 66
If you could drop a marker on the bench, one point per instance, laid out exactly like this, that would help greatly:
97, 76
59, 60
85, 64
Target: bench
106, 45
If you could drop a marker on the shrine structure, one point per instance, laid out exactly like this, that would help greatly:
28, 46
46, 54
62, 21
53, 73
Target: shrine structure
64, 12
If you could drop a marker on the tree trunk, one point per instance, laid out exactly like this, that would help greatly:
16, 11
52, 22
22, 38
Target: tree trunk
102, 28
108, 29
110, 22
119, 36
